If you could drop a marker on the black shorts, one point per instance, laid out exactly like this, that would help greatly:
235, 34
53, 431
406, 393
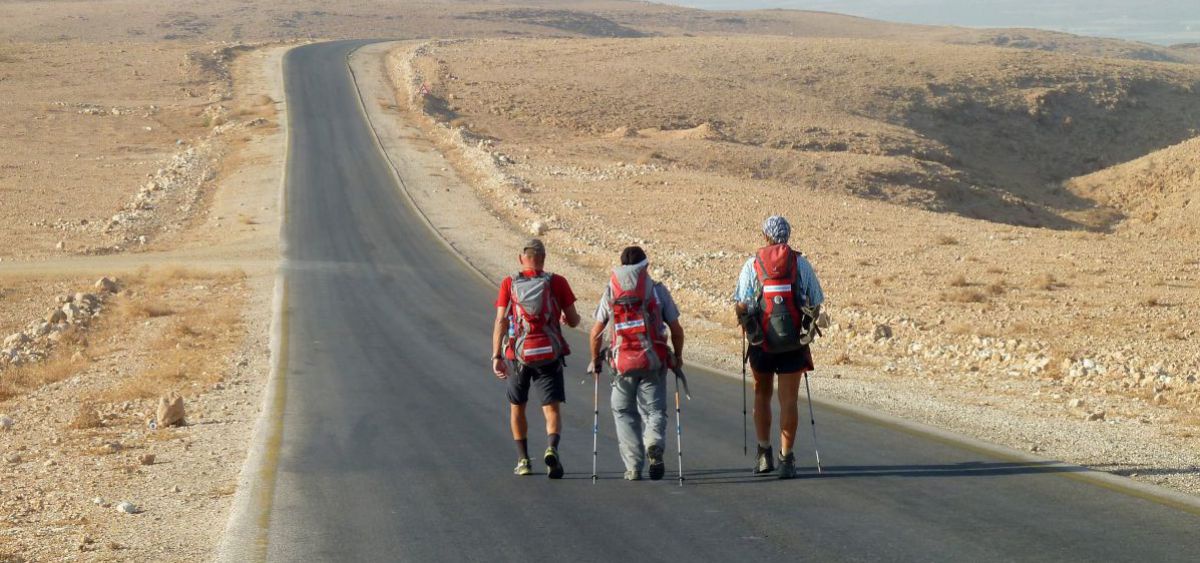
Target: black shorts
548, 380
786, 362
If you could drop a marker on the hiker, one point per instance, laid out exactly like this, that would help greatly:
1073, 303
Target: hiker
528, 349
637, 311
777, 301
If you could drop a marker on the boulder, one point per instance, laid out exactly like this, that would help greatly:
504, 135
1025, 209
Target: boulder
56, 317
170, 410
6, 423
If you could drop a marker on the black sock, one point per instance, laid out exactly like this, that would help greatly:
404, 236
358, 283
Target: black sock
522, 448
553, 440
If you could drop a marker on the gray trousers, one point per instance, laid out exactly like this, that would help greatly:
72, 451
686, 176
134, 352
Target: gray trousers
639, 405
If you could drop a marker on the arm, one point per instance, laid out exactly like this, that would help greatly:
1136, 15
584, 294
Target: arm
498, 331
677, 341
571, 316
596, 340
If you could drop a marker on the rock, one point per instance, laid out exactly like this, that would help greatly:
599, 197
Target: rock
1096, 416
127, 507
176, 489
71, 310
882, 332
1076, 403
538, 228
56, 317
16, 340
98, 501
6, 423
111, 447
170, 410
146, 459
60, 246
1159, 399
12, 458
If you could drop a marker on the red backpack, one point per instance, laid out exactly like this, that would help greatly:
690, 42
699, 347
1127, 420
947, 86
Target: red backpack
636, 342
535, 336
786, 326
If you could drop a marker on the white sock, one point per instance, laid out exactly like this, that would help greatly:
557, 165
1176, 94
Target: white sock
784, 453
764, 445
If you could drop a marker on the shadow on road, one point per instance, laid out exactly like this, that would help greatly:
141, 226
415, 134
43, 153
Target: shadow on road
965, 469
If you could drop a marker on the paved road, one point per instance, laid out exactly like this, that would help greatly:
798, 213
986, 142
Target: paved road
395, 447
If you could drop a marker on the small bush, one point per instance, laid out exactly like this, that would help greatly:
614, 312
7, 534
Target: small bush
1045, 282
964, 296
959, 281
947, 240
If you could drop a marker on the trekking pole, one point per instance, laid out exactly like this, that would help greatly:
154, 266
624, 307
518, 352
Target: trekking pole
745, 431
813, 420
678, 432
680, 379
595, 421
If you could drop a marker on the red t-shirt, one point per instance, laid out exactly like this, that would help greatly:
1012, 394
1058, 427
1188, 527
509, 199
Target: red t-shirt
558, 287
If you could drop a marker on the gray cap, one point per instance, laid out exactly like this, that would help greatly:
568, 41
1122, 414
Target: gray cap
536, 245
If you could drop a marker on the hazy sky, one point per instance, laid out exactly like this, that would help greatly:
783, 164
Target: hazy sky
1153, 21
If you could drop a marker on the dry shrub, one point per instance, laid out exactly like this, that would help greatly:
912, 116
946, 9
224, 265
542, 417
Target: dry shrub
246, 219
947, 240
842, 359
964, 296
995, 270
18, 380
190, 349
1151, 301
962, 329
958, 281
132, 308
1044, 282
86, 417
648, 157
996, 288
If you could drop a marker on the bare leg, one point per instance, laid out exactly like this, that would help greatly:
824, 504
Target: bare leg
553, 424
763, 384
516, 419
789, 392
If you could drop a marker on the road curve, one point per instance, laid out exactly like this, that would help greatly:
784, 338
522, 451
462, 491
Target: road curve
394, 443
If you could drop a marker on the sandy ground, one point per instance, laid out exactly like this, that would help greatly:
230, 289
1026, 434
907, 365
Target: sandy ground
997, 329
200, 330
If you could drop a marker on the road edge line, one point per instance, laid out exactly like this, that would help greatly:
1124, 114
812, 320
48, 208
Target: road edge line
1168, 497
412, 202
245, 537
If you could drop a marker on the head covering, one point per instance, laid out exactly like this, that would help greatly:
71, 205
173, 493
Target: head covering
534, 244
777, 229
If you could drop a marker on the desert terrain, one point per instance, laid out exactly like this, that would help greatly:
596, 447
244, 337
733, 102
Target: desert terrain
997, 257
1012, 205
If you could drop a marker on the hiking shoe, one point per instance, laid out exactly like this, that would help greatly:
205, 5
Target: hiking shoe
787, 466
657, 467
523, 467
554, 468
766, 461
633, 475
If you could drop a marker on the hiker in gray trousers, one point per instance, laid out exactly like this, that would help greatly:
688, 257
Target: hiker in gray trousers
638, 311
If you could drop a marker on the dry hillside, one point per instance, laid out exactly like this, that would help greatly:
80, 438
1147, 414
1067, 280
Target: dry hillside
983, 132
924, 182
1160, 191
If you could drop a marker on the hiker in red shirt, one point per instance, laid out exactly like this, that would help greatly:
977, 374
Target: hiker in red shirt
528, 348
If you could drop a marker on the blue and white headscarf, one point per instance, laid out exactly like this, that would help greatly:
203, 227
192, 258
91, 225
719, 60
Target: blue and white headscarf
777, 229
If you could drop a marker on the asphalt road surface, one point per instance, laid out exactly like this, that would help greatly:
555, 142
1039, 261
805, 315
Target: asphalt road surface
395, 444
